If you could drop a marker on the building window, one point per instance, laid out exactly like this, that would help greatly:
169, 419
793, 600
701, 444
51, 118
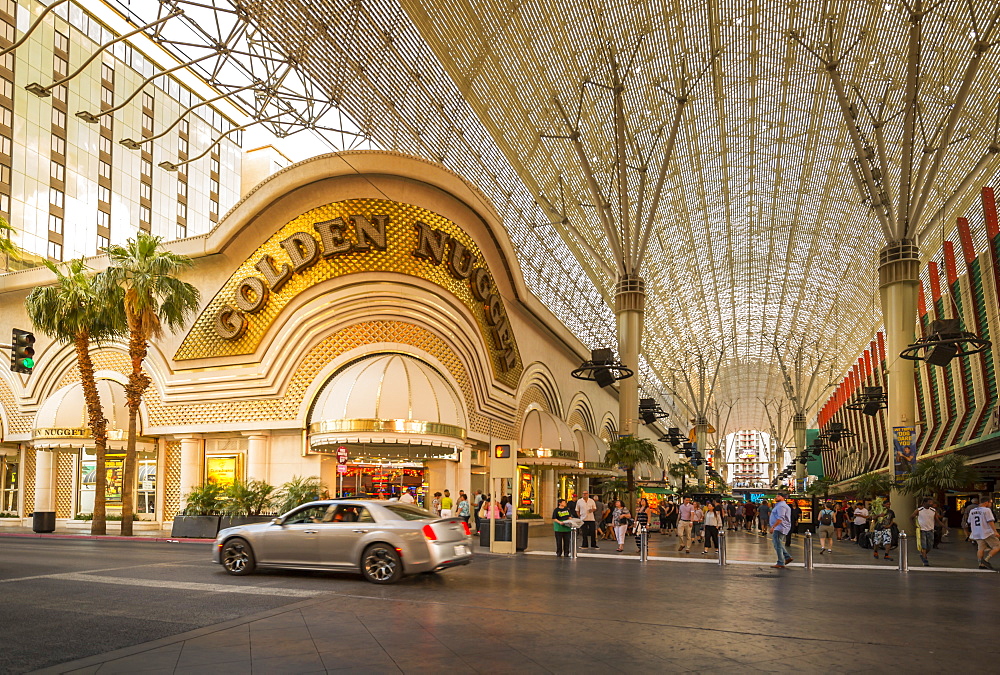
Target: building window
185, 127
182, 210
6, 117
6, 88
4, 202
55, 250
103, 219
105, 145
58, 118
146, 191
62, 42
147, 121
107, 72
107, 96
104, 170
213, 186
57, 197
55, 224
57, 171
106, 122
102, 242
214, 207
103, 194
182, 189
60, 66
182, 145
181, 231
7, 31
59, 93
147, 100
145, 215
146, 167
215, 164
5, 145
59, 145
4, 174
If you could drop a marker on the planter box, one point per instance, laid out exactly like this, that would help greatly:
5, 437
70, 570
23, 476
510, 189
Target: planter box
195, 527
111, 526
234, 521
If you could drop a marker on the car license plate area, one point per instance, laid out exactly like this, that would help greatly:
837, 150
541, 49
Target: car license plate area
461, 550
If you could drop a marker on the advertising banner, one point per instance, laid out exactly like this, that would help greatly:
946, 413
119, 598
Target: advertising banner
115, 469
904, 451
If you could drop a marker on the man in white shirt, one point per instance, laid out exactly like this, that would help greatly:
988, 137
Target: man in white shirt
860, 520
585, 508
407, 498
927, 517
983, 528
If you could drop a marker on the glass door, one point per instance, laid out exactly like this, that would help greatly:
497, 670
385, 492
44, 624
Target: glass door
9, 475
145, 504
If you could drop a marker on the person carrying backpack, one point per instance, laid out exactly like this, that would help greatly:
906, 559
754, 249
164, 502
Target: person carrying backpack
825, 529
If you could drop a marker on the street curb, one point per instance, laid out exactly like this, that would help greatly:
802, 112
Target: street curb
105, 537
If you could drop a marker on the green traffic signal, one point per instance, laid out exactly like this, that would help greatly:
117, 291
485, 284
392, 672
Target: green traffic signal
22, 351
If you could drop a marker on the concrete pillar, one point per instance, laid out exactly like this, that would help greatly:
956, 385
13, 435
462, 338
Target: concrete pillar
899, 284
192, 463
799, 436
547, 492
463, 473
45, 481
258, 454
630, 304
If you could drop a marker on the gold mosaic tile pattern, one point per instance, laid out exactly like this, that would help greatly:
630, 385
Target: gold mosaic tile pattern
401, 238
16, 422
28, 469
64, 484
104, 359
577, 419
171, 485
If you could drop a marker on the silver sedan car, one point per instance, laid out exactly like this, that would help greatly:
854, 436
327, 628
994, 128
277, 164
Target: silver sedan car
382, 540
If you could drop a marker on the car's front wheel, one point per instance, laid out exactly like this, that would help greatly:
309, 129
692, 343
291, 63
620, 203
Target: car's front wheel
380, 564
237, 557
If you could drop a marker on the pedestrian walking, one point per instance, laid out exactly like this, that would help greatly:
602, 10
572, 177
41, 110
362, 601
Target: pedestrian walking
560, 514
586, 508
436, 504
839, 521
406, 497
966, 525
781, 524
462, 509
447, 505
684, 525
983, 528
882, 531
598, 516
860, 521
477, 505
824, 527
713, 523
764, 514
796, 517
641, 521
671, 517
661, 514
927, 519
697, 520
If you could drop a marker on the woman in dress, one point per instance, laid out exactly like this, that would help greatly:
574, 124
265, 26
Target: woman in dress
641, 520
713, 523
620, 517
839, 521
697, 519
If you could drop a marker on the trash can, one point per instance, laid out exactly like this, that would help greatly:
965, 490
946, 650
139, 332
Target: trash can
43, 521
503, 533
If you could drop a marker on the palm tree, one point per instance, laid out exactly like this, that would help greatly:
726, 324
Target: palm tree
628, 452
152, 296
78, 309
936, 475
873, 484
682, 470
820, 488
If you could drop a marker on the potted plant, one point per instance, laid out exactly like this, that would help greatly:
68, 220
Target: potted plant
200, 519
298, 490
245, 501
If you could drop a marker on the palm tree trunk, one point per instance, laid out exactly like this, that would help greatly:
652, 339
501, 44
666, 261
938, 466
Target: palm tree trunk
98, 429
137, 383
630, 483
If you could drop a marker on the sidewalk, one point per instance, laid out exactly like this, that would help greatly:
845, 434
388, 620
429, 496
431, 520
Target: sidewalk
140, 535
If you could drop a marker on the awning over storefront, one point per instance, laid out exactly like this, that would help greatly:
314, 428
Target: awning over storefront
547, 441
61, 423
389, 398
659, 490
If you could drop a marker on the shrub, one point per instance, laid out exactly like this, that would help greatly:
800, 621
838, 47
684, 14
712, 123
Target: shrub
204, 500
247, 498
298, 490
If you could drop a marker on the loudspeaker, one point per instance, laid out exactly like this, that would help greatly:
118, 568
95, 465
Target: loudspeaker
871, 409
603, 376
603, 356
647, 404
648, 416
941, 355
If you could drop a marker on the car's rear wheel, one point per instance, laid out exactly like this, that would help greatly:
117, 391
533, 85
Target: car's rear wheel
380, 564
237, 557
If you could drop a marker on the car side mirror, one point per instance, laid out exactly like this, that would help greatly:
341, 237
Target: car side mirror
276, 521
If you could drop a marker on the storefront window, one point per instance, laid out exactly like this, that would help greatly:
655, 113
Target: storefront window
383, 481
9, 476
526, 490
114, 466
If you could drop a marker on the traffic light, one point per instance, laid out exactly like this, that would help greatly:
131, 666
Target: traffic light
501, 451
22, 353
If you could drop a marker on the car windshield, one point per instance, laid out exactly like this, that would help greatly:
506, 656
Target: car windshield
407, 512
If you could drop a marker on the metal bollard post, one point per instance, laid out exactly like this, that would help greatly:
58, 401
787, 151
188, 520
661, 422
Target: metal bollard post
808, 544
643, 545
904, 562
722, 548
572, 542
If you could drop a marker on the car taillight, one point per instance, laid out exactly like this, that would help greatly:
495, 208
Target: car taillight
429, 533
468, 530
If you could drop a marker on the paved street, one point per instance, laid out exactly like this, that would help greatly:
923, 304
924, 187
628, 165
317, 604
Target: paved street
163, 608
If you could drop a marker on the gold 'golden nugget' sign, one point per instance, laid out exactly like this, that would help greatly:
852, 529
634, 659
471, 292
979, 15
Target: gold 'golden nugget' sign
347, 237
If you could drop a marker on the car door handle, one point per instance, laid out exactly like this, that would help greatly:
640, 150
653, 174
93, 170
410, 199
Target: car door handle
309, 531
360, 531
